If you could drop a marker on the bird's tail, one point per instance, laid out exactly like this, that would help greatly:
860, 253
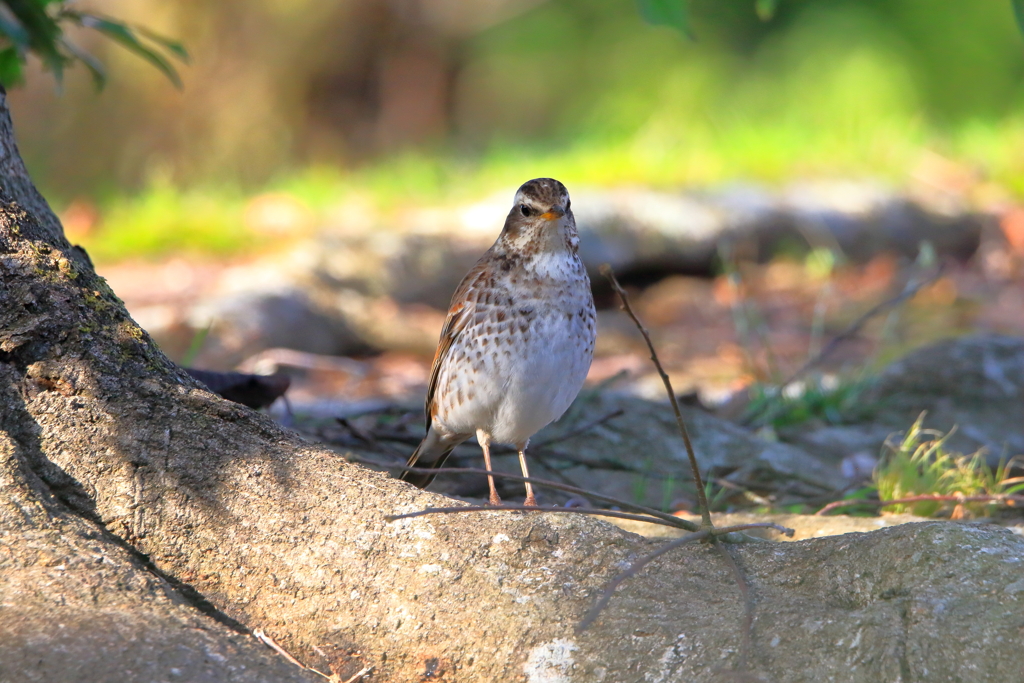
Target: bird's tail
431, 453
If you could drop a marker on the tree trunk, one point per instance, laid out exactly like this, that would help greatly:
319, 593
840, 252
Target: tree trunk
208, 518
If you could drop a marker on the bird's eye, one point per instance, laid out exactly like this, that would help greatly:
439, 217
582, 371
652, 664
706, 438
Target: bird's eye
568, 204
526, 211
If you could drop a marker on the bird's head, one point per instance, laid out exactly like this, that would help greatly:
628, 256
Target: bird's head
541, 218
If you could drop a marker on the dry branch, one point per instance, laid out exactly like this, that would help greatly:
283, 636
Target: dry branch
702, 501
262, 636
597, 512
671, 520
748, 605
581, 429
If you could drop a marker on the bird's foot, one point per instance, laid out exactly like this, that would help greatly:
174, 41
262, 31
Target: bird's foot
530, 501
495, 500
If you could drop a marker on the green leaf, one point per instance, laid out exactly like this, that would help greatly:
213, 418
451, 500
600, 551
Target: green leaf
172, 46
10, 67
43, 33
14, 31
99, 74
1018, 11
674, 13
124, 35
766, 8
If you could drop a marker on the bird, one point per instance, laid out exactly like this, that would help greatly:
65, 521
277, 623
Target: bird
518, 340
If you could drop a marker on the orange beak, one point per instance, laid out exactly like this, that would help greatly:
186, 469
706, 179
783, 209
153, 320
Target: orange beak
554, 214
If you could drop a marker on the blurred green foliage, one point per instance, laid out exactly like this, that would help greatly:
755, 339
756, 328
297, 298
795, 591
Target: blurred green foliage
584, 90
834, 402
674, 13
37, 27
165, 220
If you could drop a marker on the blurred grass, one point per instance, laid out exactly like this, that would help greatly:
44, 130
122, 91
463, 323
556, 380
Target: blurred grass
163, 219
586, 93
919, 464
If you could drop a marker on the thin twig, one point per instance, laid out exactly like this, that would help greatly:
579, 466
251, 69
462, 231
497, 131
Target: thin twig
598, 512
1009, 500
908, 292
261, 636
406, 438
671, 519
603, 463
564, 478
359, 674
412, 439
702, 501
738, 309
633, 569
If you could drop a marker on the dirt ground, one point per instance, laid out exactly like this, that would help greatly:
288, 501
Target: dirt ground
715, 336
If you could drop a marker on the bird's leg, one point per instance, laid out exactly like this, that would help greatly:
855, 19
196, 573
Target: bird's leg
530, 500
485, 444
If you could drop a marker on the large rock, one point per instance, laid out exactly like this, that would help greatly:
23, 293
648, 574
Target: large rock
420, 256
973, 386
973, 383
76, 604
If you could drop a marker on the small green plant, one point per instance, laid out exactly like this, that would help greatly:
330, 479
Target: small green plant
196, 345
827, 399
920, 465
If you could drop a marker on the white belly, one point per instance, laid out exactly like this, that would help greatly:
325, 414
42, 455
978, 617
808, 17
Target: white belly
514, 389
541, 386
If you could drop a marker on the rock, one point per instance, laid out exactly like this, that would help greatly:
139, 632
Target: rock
803, 526
255, 391
927, 601
407, 265
420, 256
646, 230
973, 383
78, 605
835, 443
862, 219
243, 323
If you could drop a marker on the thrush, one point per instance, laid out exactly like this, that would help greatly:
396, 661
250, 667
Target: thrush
518, 341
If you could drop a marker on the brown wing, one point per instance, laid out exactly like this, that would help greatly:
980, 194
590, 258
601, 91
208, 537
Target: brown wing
460, 313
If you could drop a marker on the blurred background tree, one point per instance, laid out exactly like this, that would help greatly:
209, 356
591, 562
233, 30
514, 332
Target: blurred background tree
411, 102
835, 86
